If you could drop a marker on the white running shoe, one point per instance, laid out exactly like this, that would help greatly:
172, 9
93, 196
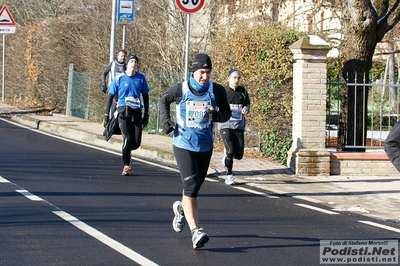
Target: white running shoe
126, 170
178, 223
230, 180
199, 238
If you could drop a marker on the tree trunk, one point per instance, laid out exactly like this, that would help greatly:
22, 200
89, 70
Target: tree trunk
356, 54
392, 90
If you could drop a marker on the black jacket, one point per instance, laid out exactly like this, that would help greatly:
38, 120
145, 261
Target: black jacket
112, 128
392, 146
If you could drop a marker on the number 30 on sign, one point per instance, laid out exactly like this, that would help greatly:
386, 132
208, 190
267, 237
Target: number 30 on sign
190, 6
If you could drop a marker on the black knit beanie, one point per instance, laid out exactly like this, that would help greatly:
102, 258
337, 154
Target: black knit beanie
132, 56
201, 61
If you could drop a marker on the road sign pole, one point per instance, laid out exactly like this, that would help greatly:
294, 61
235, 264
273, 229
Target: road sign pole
3, 71
187, 47
7, 26
188, 7
112, 36
123, 36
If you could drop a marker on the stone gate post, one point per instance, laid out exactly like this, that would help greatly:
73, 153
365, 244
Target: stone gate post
308, 155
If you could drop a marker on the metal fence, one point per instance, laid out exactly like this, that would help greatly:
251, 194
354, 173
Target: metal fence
86, 100
381, 112
78, 96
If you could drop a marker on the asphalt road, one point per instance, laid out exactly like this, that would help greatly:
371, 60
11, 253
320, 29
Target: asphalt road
63, 203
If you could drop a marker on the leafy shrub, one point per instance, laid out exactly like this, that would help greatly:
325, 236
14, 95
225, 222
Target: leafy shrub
275, 146
262, 54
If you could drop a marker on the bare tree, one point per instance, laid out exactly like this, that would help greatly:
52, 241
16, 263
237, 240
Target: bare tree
28, 12
365, 25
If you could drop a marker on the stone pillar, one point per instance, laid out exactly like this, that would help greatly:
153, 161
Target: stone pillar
308, 155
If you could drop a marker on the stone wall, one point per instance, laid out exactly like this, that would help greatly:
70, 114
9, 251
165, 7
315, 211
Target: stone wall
361, 164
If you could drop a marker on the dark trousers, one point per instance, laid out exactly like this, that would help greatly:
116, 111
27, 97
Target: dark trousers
234, 146
130, 123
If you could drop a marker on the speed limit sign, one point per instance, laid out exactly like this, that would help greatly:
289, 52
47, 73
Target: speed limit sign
190, 6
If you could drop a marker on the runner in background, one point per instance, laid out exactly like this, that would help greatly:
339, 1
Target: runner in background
129, 86
232, 131
115, 67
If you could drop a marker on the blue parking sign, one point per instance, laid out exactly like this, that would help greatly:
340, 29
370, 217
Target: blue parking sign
126, 11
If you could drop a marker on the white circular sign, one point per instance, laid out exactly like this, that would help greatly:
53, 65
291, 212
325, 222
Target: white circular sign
190, 6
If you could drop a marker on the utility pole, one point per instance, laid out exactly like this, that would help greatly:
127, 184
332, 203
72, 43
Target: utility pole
112, 36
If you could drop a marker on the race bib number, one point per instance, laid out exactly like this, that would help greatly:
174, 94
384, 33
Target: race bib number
197, 114
132, 102
236, 110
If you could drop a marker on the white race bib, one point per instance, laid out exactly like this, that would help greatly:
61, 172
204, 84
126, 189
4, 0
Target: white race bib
197, 114
236, 110
133, 102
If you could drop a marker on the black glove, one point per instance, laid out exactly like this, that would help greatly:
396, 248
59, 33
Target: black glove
214, 114
104, 88
145, 119
168, 127
105, 121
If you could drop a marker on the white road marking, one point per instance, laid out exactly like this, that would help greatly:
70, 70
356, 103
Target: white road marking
29, 195
315, 208
3, 180
211, 180
381, 226
256, 192
293, 195
129, 253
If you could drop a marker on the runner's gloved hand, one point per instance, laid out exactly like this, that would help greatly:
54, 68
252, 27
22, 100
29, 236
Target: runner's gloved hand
106, 120
168, 127
104, 88
214, 114
145, 119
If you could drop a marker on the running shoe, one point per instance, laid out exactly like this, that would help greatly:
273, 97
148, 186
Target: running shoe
230, 180
199, 238
126, 170
179, 220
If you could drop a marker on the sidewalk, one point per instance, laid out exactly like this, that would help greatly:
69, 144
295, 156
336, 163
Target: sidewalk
371, 196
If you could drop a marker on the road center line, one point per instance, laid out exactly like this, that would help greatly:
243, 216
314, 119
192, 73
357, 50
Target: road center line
315, 208
136, 257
